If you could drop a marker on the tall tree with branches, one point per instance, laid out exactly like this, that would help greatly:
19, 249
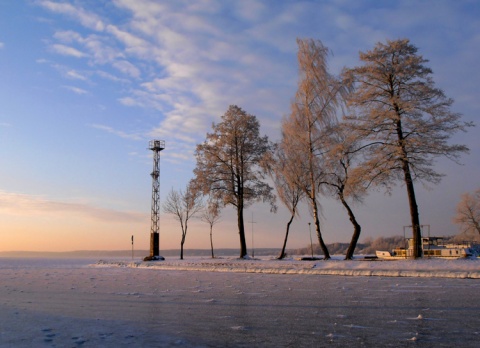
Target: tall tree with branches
317, 100
404, 120
228, 165
184, 205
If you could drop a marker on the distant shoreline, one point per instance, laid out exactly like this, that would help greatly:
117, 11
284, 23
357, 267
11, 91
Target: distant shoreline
136, 254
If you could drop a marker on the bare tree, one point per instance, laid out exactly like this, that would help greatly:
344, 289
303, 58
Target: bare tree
287, 178
403, 119
343, 177
184, 206
211, 215
318, 97
468, 213
228, 165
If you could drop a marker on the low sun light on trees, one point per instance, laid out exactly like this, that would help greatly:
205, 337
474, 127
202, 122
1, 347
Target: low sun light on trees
228, 165
318, 97
403, 120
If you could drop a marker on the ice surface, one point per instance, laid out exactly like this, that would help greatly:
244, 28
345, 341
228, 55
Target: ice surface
70, 303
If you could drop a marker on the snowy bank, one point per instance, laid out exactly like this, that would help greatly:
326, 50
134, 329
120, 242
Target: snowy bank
431, 268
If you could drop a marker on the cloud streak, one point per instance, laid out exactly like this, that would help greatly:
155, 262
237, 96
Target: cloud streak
121, 134
67, 51
86, 18
27, 205
76, 90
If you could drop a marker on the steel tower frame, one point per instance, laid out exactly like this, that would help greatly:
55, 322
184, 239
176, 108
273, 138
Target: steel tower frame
156, 146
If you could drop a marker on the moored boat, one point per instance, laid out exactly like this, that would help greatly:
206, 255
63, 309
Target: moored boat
432, 247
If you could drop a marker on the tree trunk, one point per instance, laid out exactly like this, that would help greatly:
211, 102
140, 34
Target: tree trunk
211, 241
412, 201
417, 233
241, 231
356, 230
181, 245
326, 254
313, 199
282, 253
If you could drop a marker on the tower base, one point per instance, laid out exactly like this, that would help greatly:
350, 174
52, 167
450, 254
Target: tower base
153, 258
154, 248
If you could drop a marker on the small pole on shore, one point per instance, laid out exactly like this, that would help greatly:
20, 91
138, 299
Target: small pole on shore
132, 247
311, 243
253, 246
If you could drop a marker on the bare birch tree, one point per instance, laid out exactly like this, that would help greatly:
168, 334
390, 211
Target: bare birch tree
343, 176
318, 97
405, 121
184, 206
228, 165
211, 215
468, 213
283, 170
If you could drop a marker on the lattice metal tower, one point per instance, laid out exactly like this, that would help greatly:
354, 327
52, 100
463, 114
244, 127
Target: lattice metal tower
156, 146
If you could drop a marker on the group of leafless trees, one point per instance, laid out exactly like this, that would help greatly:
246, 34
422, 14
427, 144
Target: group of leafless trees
374, 125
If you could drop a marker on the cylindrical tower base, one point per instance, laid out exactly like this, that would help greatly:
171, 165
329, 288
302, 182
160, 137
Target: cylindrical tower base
154, 244
154, 248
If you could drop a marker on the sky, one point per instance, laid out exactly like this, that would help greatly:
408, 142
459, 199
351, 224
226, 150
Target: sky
84, 86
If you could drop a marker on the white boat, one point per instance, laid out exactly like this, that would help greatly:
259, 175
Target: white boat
432, 247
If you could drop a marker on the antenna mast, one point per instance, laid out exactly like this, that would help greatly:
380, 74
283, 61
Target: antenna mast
156, 146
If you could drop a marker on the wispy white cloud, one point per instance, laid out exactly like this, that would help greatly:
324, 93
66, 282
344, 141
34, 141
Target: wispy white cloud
67, 72
111, 77
119, 133
73, 74
251, 10
98, 46
101, 51
67, 51
2, 45
68, 36
5, 124
87, 18
134, 44
26, 205
126, 68
129, 101
76, 90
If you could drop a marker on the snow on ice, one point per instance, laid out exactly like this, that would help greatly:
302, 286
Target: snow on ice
200, 302
433, 268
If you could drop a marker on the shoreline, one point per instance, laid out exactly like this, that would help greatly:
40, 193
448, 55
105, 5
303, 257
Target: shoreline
428, 268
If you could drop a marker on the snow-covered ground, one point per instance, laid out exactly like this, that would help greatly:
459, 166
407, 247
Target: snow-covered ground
200, 302
440, 268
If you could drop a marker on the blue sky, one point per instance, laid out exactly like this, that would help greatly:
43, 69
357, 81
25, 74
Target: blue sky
85, 85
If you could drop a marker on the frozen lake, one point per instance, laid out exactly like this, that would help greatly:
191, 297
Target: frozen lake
67, 303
